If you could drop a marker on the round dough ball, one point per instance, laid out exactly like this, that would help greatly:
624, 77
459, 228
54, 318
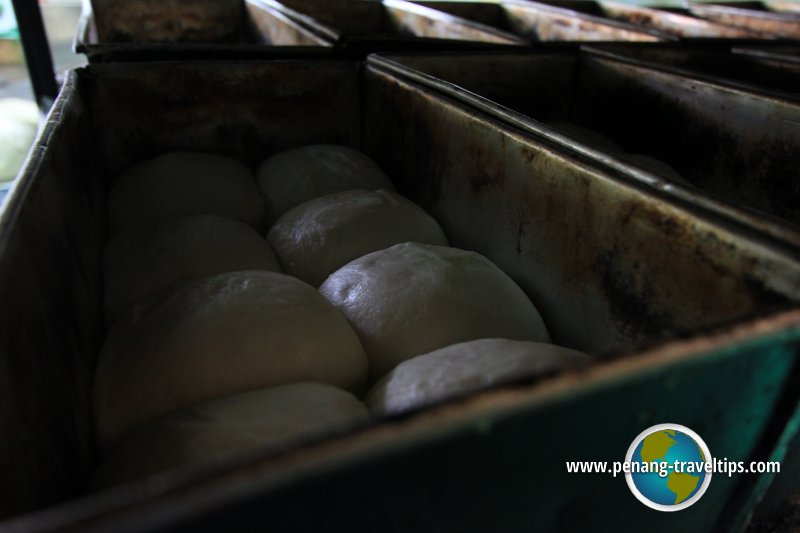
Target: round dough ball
147, 263
218, 336
316, 238
261, 419
294, 177
411, 299
182, 184
464, 368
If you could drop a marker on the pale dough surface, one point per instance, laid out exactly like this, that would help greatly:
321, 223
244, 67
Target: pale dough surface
142, 264
218, 336
296, 176
320, 236
217, 430
181, 184
463, 368
411, 299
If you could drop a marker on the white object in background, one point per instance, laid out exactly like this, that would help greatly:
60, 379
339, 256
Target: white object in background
8, 22
19, 123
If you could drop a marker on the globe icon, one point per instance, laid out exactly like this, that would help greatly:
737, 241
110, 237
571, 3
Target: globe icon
668, 467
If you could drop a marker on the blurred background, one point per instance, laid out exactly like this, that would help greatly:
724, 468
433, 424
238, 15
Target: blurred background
19, 114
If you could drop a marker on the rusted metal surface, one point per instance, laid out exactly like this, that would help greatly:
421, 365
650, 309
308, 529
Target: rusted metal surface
671, 22
169, 20
735, 160
766, 22
542, 22
611, 264
274, 28
259, 29
366, 21
767, 73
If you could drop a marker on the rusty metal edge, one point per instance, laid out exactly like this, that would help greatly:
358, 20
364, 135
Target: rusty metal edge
768, 231
307, 21
159, 503
661, 14
15, 199
338, 36
741, 86
432, 13
778, 16
95, 52
592, 18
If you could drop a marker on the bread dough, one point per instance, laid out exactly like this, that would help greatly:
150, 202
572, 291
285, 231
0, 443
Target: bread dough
320, 236
412, 298
296, 176
463, 368
142, 264
181, 184
263, 419
218, 336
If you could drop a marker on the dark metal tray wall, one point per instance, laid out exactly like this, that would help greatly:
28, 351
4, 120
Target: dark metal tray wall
612, 266
353, 27
765, 72
372, 25
263, 31
729, 143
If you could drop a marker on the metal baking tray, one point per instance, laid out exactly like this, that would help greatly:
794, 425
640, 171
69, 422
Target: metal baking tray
536, 21
671, 21
367, 25
737, 149
260, 30
760, 70
692, 319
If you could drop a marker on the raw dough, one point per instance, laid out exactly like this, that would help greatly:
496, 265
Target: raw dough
145, 263
464, 368
411, 299
296, 176
218, 336
261, 419
315, 239
181, 184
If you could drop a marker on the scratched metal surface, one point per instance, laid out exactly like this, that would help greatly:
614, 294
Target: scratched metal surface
372, 24
734, 162
757, 70
257, 32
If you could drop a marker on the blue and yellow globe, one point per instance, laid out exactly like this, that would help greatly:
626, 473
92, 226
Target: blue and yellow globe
668, 467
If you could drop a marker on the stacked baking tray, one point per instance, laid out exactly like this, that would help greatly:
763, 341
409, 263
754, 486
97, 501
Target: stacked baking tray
112, 30
686, 292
